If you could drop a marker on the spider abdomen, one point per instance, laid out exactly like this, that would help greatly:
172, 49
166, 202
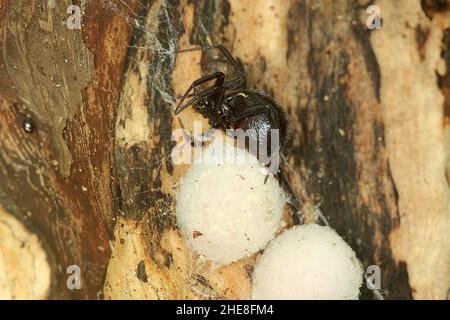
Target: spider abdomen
262, 121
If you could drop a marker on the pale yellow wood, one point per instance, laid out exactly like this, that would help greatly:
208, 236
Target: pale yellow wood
24, 269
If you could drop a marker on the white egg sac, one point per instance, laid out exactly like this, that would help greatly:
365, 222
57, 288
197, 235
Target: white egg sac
307, 262
224, 209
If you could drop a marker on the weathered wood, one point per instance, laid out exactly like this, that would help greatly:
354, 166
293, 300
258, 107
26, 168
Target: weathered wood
67, 82
24, 268
369, 148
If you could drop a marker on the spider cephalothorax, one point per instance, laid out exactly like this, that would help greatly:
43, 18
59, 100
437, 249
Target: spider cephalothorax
228, 104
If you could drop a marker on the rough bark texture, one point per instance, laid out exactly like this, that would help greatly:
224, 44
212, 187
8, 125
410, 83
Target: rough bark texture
369, 110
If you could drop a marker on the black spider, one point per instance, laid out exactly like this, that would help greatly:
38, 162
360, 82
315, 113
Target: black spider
228, 104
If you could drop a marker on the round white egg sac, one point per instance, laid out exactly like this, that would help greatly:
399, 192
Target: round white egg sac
307, 262
224, 209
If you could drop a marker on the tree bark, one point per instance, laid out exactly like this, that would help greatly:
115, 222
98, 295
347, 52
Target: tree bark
94, 180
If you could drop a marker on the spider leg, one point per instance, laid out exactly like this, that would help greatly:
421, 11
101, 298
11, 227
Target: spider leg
189, 95
203, 94
218, 103
219, 76
237, 82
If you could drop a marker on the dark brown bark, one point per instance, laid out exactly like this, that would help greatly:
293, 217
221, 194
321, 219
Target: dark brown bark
67, 82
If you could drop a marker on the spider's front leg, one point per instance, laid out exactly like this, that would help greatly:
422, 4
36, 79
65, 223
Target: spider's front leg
235, 83
219, 76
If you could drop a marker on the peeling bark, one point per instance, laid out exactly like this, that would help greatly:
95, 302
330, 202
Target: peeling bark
60, 173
